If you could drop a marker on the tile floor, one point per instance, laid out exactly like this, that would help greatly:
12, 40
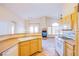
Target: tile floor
48, 48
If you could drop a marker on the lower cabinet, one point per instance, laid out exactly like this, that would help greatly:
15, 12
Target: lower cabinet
28, 48
69, 50
13, 51
24, 48
39, 45
34, 46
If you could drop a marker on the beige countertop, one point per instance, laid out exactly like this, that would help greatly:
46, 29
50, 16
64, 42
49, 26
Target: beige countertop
67, 40
4, 37
27, 38
10, 36
11, 41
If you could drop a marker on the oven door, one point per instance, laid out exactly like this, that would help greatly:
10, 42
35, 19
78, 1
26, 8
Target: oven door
59, 46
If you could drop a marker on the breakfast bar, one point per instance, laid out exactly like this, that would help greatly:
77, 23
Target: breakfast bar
22, 45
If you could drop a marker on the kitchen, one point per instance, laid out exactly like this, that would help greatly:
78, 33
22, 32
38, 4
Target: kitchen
49, 29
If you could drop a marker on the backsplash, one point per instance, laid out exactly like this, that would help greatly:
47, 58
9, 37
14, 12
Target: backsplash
69, 34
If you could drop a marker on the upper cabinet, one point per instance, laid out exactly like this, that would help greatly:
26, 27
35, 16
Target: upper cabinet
74, 21
66, 21
78, 15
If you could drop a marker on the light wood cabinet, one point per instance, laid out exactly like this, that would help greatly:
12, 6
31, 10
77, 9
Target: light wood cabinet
66, 20
76, 9
24, 48
69, 52
34, 46
70, 20
69, 49
74, 21
39, 45
30, 47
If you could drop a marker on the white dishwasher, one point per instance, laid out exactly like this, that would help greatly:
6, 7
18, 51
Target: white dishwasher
59, 46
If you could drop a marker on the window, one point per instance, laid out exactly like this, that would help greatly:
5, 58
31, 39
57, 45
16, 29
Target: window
53, 29
13, 25
49, 30
31, 29
34, 28
13, 29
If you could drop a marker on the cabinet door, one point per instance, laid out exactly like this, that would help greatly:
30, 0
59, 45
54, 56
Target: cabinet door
34, 46
24, 48
74, 21
78, 21
39, 44
69, 51
11, 52
68, 21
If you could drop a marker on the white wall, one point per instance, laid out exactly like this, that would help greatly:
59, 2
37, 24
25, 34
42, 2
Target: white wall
28, 22
6, 14
6, 18
68, 8
5, 27
20, 27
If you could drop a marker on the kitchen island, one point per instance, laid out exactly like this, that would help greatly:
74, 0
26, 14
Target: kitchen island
21, 46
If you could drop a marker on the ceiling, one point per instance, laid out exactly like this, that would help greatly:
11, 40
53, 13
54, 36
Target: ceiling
35, 10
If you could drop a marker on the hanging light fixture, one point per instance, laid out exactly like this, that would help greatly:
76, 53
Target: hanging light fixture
61, 16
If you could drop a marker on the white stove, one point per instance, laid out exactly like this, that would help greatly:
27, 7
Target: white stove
59, 46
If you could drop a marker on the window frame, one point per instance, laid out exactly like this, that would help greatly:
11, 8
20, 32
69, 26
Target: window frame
34, 25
